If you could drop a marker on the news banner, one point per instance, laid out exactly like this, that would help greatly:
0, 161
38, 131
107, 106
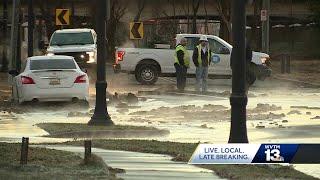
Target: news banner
256, 154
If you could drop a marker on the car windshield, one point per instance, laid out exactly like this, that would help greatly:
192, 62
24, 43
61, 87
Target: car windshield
52, 64
81, 38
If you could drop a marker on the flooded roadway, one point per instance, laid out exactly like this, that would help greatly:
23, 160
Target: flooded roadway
296, 120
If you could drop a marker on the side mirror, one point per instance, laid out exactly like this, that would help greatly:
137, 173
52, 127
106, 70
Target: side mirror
13, 73
224, 50
84, 70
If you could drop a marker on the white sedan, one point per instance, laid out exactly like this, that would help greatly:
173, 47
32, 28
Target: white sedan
50, 78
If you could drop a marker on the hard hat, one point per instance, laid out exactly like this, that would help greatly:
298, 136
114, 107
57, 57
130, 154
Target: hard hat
203, 38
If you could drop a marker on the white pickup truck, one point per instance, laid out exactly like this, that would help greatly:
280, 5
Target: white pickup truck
79, 43
149, 64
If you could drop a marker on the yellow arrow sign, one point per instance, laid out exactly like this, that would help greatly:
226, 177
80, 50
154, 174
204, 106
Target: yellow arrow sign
62, 17
136, 30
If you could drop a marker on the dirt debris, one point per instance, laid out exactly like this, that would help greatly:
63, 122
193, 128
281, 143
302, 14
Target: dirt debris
204, 126
260, 126
116, 98
269, 116
264, 108
304, 107
78, 114
294, 112
210, 112
316, 117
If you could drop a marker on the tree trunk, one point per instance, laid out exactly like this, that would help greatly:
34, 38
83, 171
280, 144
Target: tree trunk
256, 34
224, 9
206, 18
195, 8
141, 5
188, 16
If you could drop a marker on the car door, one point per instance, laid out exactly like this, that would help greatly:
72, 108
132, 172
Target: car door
222, 67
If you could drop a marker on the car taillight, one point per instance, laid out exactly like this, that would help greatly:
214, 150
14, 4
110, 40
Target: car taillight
27, 80
81, 79
119, 55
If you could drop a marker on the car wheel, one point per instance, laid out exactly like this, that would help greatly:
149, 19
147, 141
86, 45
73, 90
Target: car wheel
147, 74
84, 103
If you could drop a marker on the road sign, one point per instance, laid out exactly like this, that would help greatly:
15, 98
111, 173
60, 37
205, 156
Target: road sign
264, 15
136, 30
62, 17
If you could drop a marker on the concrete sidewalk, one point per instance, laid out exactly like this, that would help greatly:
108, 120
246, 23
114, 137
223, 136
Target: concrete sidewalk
145, 166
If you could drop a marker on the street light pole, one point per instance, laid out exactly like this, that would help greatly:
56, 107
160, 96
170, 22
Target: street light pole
30, 27
238, 99
101, 116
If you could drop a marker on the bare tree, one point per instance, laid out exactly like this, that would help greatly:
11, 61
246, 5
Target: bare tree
173, 5
117, 11
186, 10
45, 9
141, 4
224, 10
206, 17
195, 8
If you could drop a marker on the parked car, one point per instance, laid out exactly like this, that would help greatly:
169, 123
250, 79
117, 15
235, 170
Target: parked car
78, 43
149, 64
50, 78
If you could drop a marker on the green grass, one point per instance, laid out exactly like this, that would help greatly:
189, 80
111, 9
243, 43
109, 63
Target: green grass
49, 164
183, 152
76, 130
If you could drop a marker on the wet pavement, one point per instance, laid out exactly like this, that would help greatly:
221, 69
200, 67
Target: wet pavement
145, 166
294, 122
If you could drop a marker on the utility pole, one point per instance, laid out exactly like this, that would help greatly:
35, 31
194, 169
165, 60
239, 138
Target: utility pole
265, 18
101, 116
30, 27
4, 67
238, 99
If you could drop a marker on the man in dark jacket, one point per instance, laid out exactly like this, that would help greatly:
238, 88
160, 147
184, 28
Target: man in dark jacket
181, 63
201, 58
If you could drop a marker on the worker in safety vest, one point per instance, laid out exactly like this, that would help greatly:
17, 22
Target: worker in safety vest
201, 59
181, 63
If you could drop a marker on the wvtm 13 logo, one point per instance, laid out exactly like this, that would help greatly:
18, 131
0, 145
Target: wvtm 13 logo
273, 153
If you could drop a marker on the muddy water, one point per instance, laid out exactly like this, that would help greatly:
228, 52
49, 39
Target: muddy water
297, 125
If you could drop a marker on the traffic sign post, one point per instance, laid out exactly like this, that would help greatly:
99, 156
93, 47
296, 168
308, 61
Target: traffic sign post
136, 30
62, 17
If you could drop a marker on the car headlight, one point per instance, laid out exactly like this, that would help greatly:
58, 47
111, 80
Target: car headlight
50, 54
91, 54
91, 57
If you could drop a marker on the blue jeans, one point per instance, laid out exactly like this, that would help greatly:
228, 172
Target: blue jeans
201, 77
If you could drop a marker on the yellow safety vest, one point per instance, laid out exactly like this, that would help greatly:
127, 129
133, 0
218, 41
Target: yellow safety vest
199, 54
186, 57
